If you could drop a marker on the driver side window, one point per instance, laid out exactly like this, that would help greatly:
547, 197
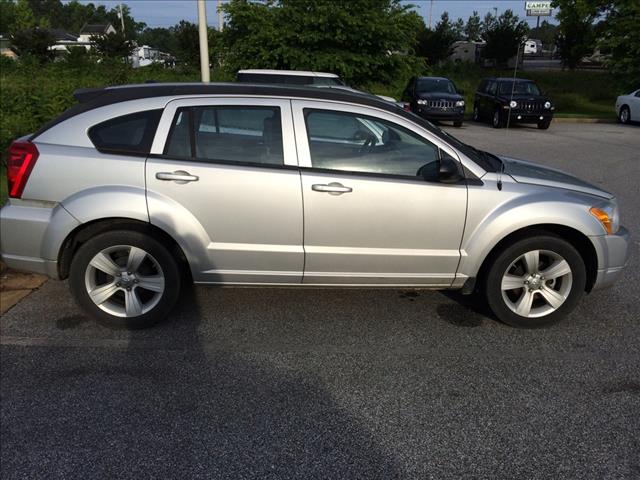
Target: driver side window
358, 143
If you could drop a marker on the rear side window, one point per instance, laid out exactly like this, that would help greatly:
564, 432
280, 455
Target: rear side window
228, 134
127, 135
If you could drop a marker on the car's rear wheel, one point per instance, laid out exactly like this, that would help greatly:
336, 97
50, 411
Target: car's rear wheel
625, 114
125, 279
544, 124
535, 282
496, 121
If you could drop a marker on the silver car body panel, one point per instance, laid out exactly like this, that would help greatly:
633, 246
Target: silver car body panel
238, 223
248, 224
385, 230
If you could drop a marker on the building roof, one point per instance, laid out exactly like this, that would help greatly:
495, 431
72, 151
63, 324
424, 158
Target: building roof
299, 73
64, 36
94, 29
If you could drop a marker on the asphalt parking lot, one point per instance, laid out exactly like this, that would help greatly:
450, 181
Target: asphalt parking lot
276, 383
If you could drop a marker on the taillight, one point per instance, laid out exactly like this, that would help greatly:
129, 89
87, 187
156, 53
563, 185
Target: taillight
22, 158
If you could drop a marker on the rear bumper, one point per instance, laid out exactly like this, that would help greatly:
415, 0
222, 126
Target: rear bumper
31, 234
613, 255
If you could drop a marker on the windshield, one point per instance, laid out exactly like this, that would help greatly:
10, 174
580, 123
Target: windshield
520, 88
435, 85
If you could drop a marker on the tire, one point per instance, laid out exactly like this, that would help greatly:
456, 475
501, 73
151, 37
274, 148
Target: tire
496, 120
509, 268
544, 124
457, 123
476, 114
625, 115
133, 299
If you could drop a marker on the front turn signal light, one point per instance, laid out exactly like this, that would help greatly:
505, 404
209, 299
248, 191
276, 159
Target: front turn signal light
604, 218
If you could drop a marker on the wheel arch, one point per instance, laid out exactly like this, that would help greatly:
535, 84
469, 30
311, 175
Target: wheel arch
577, 239
87, 230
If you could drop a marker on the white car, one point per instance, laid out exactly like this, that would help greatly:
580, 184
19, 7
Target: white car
628, 107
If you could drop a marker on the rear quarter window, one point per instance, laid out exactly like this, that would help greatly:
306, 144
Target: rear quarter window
127, 135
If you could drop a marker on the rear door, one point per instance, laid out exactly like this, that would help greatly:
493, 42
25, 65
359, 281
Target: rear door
223, 179
370, 217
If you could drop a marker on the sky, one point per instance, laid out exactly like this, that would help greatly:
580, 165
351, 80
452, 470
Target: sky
165, 13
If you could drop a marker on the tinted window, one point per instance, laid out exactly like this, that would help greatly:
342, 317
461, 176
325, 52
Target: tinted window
638, 93
434, 85
129, 134
228, 133
491, 88
519, 88
357, 143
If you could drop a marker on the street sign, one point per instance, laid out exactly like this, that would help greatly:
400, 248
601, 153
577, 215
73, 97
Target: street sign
538, 9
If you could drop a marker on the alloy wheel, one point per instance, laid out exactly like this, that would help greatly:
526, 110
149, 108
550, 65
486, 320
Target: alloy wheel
124, 281
537, 283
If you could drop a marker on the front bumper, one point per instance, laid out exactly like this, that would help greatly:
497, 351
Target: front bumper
528, 117
31, 235
613, 255
448, 114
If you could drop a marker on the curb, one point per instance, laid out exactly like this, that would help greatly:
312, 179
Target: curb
583, 120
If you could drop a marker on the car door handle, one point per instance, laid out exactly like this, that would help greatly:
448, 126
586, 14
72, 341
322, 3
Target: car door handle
179, 176
333, 188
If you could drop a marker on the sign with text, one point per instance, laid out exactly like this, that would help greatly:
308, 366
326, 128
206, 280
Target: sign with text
538, 9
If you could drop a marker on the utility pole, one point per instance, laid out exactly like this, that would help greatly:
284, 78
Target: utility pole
204, 42
430, 13
121, 17
220, 16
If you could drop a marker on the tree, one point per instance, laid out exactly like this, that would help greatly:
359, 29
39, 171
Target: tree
186, 43
620, 40
113, 46
362, 40
24, 18
473, 28
436, 45
576, 37
163, 39
503, 35
33, 42
546, 33
7, 16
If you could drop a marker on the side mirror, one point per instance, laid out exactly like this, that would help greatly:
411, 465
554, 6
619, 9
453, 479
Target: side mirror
449, 171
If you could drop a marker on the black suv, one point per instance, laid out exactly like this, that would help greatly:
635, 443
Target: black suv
435, 98
518, 100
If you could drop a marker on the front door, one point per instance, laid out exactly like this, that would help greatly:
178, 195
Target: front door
223, 181
374, 211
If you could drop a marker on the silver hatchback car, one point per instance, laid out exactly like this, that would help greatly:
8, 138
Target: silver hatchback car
137, 189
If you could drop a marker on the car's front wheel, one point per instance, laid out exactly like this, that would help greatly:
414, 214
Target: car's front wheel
125, 279
535, 282
544, 124
496, 121
625, 114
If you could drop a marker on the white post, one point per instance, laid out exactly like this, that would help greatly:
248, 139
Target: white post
204, 42
220, 16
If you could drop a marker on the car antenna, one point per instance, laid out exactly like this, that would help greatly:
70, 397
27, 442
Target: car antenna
513, 84
499, 182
